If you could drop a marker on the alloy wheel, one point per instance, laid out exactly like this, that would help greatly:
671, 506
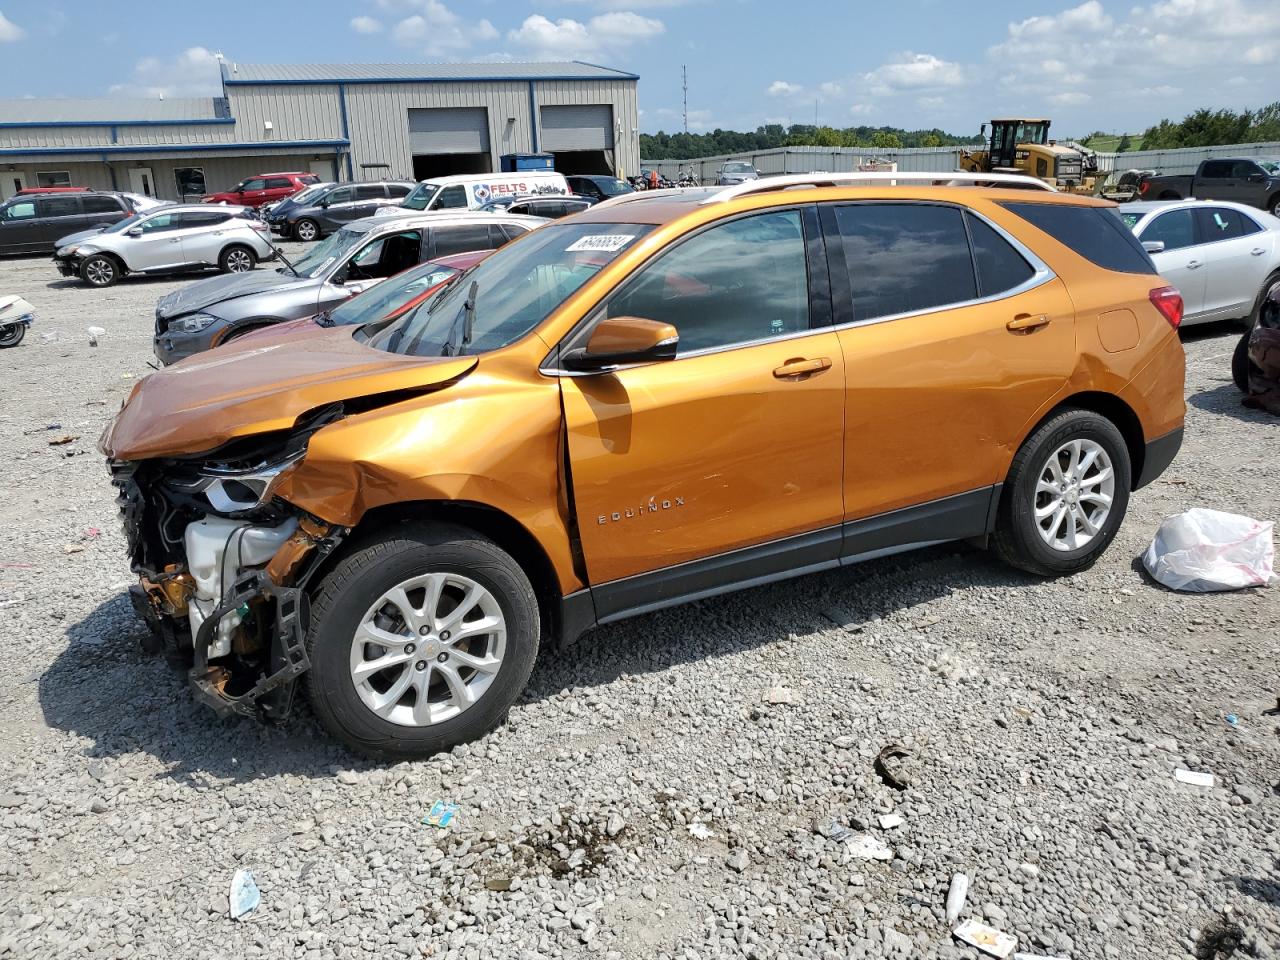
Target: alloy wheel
1073, 495
306, 231
239, 261
428, 649
99, 272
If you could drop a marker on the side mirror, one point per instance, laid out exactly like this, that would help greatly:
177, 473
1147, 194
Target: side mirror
620, 340
135, 231
1153, 246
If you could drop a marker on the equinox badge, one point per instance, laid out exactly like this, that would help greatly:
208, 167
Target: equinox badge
653, 506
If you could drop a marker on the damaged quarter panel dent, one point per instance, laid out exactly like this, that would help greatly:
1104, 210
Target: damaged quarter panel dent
493, 439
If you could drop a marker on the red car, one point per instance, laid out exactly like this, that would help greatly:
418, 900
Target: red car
25, 191
264, 188
392, 298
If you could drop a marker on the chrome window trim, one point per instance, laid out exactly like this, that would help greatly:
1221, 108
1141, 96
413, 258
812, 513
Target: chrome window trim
1042, 275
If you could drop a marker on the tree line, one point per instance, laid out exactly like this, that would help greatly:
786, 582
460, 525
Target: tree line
1208, 128
691, 146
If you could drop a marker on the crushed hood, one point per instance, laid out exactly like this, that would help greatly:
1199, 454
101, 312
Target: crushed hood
250, 387
80, 236
230, 286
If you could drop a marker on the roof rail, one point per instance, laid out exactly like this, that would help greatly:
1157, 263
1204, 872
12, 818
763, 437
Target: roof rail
645, 194
936, 178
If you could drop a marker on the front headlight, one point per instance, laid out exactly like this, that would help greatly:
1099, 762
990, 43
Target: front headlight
193, 324
69, 251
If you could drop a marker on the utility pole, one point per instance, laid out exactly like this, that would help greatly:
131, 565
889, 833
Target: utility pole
684, 82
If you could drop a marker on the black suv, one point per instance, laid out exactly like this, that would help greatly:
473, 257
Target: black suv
551, 208
32, 223
332, 209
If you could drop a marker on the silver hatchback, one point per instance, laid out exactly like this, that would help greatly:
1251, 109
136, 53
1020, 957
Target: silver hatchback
166, 240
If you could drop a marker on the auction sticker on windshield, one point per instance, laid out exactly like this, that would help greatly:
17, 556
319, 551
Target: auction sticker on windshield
607, 242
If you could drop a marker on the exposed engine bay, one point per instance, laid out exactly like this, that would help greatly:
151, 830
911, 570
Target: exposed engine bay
222, 565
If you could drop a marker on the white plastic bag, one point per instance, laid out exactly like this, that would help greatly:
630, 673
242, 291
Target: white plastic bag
1207, 550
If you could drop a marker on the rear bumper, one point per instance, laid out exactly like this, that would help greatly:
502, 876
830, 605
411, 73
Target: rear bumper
1159, 454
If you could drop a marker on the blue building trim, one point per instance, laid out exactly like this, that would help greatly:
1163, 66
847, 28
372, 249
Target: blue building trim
533, 115
30, 124
326, 81
105, 152
346, 133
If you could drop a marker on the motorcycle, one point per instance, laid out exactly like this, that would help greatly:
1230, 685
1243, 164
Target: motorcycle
15, 316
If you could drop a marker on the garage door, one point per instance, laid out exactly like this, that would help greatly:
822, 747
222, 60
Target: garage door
449, 130
578, 127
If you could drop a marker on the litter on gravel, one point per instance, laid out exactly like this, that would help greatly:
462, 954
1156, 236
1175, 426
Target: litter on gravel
956, 895
441, 814
244, 896
1194, 777
864, 846
985, 938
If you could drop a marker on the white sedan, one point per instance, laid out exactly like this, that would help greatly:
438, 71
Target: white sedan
1223, 257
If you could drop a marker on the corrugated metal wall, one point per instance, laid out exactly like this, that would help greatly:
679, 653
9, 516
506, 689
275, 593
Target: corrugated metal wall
621, 95
841, 159
298, 112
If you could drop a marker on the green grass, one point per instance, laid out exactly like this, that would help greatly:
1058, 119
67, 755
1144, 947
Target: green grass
1109, 144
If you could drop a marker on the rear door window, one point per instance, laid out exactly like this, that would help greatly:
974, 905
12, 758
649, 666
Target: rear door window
1218, 223
1175, 229
60, 207
462, 238
1216, 170
279, 183
905, 257
1000, 267
370, 191
1095, 233
101, 205
736, 282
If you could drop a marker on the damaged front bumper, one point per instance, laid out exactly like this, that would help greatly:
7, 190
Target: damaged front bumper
223, 591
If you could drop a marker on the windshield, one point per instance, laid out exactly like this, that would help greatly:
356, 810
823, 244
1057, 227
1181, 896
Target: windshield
120, 226
1032, 133
310, 193
421, 196
1270, 166
515, 289
388, 297
331, 248
738, 168
613, 187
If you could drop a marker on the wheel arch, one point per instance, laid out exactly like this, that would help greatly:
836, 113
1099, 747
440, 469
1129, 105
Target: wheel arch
248, 325
488, 521
116, 258
1114, 409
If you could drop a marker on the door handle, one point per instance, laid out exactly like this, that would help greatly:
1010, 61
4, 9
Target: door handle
800, 367
175, 239
1257, 251
1025, 323
1193, 264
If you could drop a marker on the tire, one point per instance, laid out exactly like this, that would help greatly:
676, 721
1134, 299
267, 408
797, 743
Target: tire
350, 596
12, 335
1019, 539
237, 258
1273, 205
1271, 283
306, 230
100, 270
1240, 365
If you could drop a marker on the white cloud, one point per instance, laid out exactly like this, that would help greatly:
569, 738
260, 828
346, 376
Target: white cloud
568, 39
831, 89
1070, 98
930, 103
192, 73
783, 88
861, 109
364, 24
915, 71
434, 29
1089, 17
9, 31
631, 4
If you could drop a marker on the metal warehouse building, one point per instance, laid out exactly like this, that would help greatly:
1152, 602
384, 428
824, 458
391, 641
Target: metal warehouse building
340, 121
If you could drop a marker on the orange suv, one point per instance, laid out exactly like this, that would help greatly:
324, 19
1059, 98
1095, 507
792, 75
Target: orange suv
672, 395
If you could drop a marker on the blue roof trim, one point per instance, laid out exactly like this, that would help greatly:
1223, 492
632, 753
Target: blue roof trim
198, 121
107, 150
328, 81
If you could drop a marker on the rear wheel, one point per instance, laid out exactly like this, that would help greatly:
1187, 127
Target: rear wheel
100, 270
420, 641
12, 335
237, 259
1065, 496
306, 230
1273, 205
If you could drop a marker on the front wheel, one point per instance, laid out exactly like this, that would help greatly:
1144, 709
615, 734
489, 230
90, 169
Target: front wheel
1065, 496
420, 641
12, 335
99, 271
306, 230
237, 259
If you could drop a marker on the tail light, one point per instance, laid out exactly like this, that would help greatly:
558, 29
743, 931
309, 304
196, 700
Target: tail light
1169, 302
1143, 187
260, 226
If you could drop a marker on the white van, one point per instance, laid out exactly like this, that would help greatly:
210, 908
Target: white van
473, 190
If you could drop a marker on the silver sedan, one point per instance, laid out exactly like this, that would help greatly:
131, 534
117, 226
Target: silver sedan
1223, 257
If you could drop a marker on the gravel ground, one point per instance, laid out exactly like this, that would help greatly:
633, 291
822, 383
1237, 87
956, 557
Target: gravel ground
646, 799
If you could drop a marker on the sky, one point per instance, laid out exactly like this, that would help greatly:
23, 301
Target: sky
1093, 65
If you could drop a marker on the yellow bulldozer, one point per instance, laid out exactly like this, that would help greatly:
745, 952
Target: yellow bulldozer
1023, 146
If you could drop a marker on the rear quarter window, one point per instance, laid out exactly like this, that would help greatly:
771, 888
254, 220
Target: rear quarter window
1095, 233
